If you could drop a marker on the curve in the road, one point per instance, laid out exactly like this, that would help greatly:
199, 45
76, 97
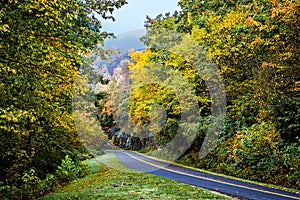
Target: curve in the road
201, 179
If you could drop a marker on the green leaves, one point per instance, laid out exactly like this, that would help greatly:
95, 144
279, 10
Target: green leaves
255, 47
69, 170
42, 44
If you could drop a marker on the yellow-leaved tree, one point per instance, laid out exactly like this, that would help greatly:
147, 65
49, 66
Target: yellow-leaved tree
41, 49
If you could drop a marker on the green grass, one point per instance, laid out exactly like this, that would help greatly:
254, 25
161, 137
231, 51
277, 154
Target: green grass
110, 179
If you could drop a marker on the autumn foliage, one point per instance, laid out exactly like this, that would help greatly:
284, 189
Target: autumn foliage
255, 46
42, 44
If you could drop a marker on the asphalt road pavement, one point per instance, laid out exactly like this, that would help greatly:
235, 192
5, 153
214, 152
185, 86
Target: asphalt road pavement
204, 180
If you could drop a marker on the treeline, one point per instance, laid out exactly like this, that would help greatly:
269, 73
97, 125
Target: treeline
43, 45
255, 48
254, 44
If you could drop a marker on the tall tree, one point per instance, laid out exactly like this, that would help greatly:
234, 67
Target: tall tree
41, 49
254, 44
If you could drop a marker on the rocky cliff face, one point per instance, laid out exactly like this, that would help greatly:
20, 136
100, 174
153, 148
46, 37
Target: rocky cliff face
103, 70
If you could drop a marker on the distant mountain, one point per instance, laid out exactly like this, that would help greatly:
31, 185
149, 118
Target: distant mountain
127, 41
123, 43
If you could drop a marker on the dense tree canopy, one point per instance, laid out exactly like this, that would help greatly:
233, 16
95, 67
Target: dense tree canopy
255, 46
42, 44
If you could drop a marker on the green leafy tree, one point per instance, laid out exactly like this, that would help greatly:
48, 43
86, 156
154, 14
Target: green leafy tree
254, 44
41, 49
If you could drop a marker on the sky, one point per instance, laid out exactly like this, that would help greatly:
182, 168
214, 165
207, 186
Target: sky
133, 15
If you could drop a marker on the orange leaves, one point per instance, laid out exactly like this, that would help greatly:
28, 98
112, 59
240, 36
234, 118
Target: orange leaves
4, 28
266, 65
257, 40
283, 9
252, 22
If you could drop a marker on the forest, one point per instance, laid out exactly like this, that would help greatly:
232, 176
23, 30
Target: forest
243, 113
252, 102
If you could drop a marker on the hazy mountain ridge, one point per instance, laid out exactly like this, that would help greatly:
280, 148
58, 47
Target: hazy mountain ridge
124, 43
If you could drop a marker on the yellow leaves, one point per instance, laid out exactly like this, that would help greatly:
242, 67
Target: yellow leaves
189, 17
199, 34
297, 86
13, 1
31, 37
139, 72
232, 18
4, 28
81, 84
140, 58
9, 117
62, 119
257, 40
286, 55
13, 115
219, 32
265, 65
214, 19
69, 15
7, 70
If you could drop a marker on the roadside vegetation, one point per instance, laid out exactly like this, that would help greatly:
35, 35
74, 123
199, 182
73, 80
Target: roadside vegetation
110, 179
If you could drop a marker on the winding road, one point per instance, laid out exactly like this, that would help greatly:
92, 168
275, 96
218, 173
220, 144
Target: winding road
204, 180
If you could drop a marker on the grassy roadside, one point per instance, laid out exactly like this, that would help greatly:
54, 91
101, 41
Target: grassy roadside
110, 179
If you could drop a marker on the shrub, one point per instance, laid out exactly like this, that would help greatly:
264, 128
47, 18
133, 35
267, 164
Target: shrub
69, 170
257, 153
